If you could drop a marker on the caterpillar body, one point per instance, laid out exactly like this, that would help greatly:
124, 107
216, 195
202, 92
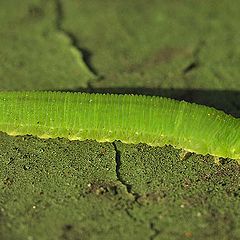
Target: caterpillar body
156, 121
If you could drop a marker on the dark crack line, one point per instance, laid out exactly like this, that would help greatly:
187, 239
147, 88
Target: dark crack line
130, 215
118, 166
195, 63
118, 174
190, 67
85, 53
156, 232
124, 183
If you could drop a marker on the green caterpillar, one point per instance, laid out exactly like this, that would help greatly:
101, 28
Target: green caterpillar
156, 121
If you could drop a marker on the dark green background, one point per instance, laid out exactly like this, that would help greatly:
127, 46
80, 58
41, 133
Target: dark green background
58, 189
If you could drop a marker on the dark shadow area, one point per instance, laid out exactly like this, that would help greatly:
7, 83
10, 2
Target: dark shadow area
226, 100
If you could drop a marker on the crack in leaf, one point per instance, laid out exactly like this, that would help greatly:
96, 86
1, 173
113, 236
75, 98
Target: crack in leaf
118, 174
81, 53
156, 232
195, 63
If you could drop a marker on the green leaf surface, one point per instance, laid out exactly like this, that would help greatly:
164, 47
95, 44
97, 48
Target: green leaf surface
134, 43
34, 53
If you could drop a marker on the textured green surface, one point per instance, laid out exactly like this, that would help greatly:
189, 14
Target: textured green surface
33, 52
131, 119
155, 46
57, 189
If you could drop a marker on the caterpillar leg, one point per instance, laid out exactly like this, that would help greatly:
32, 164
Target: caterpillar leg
184, 154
